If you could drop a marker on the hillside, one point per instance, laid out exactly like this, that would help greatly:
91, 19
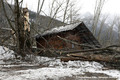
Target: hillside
43, 21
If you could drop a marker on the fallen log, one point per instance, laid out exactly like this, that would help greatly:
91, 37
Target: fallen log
92, 57
102, 50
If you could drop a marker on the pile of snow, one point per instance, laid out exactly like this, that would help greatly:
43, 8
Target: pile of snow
56, 73
6, 53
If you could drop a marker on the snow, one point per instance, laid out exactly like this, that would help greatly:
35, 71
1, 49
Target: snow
61, 28
57, 69
53, 69
5, 53
51, 73
112, 73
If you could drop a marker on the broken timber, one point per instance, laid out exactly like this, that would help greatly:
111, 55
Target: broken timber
107, 54
92, 57
93, 53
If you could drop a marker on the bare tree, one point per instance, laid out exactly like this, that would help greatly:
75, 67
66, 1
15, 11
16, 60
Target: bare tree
118, 26
20, 27
55, 13
0, 4
51, 7
109, 33
97, 12
66, 13
101, 26
39, 9
119, 30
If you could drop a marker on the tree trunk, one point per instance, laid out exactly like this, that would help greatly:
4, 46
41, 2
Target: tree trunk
19, 32
22, 29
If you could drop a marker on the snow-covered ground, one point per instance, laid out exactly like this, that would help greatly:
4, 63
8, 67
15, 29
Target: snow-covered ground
52, 69
5, 53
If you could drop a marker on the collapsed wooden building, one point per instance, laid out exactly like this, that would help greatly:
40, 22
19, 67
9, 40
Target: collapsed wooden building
78, 32
61, 42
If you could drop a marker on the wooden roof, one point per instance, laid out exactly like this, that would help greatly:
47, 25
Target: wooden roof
81, 29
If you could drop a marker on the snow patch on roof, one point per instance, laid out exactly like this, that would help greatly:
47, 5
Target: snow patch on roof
61, 28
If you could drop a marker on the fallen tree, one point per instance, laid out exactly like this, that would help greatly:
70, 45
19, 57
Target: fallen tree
93, 57
109, 54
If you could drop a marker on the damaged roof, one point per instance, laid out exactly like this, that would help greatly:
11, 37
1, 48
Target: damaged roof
59, 29
86, 34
